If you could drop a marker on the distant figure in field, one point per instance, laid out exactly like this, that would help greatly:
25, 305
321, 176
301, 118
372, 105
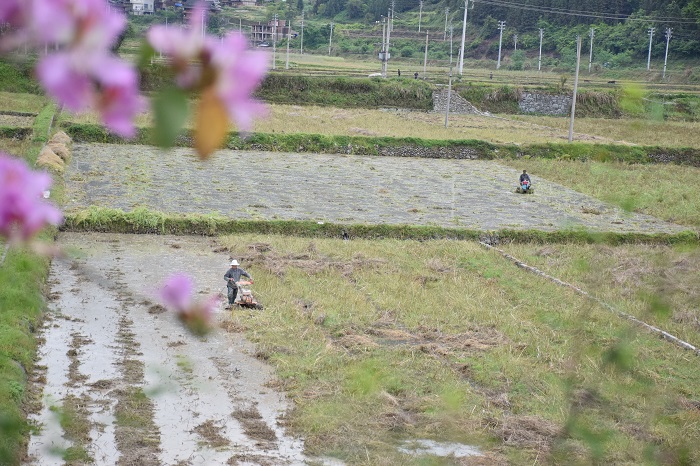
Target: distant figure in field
524, 176
415, 75
525, 183
491, 76
399, 71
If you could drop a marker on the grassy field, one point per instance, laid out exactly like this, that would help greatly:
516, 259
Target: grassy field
630, 131
505, 130
664, 191
22, 278
26, 103
382, 341
376, 346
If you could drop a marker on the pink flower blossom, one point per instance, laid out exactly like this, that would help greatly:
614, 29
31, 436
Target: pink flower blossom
177, 295
176, 292
227, 66
240, 72
184, 47
84, 74
23, 212
11, 11
103, 82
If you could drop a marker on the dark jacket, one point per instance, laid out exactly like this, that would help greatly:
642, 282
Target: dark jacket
524, 176
236, 275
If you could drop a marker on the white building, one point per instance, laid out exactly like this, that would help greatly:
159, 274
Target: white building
142, 7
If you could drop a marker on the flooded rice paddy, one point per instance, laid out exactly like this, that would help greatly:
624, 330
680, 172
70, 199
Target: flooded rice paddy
146, 390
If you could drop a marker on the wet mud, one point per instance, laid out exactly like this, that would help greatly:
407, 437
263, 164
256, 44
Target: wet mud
149, 392
476, 194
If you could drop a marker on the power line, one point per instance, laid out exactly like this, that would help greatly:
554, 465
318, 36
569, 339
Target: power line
582, 14
566, 10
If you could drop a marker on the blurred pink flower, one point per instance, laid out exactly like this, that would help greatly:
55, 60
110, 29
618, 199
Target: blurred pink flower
239, 72
177, 293
201, 62
84, 74
184, 47
23, 212
102, 82
87, 24
11, 11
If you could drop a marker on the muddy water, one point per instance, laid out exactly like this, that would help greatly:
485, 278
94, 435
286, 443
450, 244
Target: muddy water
477, 194
104, 338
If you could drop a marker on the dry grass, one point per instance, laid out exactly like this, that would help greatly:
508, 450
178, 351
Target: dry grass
642, 132
15, 146
506, 129
663, 191
447, 341
29, 103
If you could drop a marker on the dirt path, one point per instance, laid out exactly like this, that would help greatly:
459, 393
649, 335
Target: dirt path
474, 194
133, 387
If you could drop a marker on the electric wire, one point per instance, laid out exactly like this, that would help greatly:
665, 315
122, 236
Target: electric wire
585, 14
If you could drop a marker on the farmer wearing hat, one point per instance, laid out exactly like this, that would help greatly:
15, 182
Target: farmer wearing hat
232, 276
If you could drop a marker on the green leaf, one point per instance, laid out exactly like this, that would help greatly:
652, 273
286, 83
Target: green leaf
146, 52
170, 110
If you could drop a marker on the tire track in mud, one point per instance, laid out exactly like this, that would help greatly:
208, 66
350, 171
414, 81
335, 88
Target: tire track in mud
146, 392
137, 437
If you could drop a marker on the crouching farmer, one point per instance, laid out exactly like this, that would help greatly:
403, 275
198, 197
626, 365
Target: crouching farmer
232, 276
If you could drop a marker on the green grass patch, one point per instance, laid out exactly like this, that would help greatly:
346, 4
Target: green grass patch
346, 92
142, 220
43, 124
415, 147
21, 279
380, 341
18, 77
15, 133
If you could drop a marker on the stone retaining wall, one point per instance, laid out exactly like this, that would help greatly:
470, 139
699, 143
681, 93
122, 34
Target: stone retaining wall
458, 104
545, 104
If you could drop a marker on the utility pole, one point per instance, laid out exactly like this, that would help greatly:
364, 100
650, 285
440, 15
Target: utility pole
501, 27
668, 39
274, 43
515, 42
464, 33
573, 101
391, 15
449, 94
420, 13
651, 35
591, 33
388, 34
289, 39
330, 40
539, 60
447, 12
451, 33
301, 47
383, 54
425, 58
